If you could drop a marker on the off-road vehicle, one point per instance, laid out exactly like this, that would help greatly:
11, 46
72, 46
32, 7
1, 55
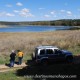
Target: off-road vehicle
45, 54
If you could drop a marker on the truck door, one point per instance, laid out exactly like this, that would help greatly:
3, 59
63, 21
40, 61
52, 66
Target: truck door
59, 55
50, 54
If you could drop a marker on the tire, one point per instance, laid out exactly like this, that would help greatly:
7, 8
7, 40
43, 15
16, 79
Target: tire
69, 59
44, 62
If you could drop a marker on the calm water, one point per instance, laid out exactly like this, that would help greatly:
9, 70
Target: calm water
33, 28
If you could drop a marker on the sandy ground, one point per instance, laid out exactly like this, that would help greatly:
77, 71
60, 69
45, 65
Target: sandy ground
3, 26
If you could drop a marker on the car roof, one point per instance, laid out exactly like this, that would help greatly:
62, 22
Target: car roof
45, 47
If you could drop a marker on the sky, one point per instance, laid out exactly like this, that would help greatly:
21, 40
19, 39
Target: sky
39, 10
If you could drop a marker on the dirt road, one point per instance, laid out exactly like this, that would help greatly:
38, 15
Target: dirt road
5, 68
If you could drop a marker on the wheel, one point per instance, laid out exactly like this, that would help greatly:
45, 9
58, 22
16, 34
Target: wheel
44, 62
69, 59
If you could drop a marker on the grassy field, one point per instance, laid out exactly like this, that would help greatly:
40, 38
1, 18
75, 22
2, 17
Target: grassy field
27, 42
68, 39
11, 76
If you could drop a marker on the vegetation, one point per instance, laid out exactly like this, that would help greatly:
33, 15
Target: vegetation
63, 22
27, 42
10, 76
68, 39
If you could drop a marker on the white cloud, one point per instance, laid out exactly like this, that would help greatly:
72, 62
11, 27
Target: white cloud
9, 14
62, 11
41, 8
55, 16
24, 12
19, 4
47, 16
9, 5
26, 15
69, 13
53, 12
65, 12
16, 11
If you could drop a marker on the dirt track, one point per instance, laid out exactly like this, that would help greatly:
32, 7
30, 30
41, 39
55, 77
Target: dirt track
4, 68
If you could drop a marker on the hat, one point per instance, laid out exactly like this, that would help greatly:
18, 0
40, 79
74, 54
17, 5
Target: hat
13, 51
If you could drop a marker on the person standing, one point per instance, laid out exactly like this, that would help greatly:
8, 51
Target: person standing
12, 58
20, 57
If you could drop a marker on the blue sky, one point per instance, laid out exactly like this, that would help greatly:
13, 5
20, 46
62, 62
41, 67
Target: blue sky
38, 10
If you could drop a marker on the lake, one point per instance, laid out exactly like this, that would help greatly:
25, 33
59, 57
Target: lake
33, 28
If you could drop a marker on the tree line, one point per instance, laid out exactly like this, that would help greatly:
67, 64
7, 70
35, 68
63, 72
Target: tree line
63, 22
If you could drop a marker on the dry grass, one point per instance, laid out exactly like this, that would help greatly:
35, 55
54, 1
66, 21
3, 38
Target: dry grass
29, 40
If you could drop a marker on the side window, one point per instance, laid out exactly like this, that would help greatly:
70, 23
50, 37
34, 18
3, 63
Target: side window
42, 52
49, 51
57, 51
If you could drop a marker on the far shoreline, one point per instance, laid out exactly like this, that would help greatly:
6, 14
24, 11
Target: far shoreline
72, 27
3, 26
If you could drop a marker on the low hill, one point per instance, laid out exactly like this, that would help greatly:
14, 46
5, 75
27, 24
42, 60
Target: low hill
62, 22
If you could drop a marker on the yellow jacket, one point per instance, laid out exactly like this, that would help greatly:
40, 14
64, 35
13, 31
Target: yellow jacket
20, 54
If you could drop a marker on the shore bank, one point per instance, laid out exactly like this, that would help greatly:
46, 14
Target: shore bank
3, 26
